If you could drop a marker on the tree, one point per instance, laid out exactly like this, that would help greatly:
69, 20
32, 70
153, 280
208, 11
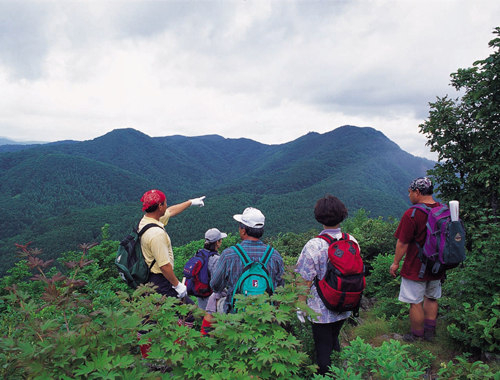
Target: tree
464, 132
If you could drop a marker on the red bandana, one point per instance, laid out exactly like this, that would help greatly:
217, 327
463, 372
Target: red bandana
151, 198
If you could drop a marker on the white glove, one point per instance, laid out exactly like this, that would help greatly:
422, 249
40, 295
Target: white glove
198, 201
300, 316
181, 290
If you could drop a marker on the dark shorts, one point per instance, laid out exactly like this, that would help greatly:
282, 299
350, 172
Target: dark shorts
165, 288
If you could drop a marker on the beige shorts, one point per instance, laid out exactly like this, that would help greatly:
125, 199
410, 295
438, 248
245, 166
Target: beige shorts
414, 291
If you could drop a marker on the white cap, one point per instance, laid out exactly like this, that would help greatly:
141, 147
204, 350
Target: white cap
251, 217
213, 235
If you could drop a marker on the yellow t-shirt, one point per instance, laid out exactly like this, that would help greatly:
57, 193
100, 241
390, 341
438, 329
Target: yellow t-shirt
155, 243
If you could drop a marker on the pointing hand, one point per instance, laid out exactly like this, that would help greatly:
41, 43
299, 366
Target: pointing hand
198, 201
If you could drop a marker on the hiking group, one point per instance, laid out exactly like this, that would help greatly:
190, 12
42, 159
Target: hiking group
329, 266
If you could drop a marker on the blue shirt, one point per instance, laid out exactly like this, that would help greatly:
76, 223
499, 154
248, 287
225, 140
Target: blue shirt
230, 267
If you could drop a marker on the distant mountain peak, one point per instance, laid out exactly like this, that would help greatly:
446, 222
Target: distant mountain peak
6, 141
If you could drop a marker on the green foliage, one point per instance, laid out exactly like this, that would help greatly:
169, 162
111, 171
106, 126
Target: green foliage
472, 293
251, 343
380, 283
464, 133
20, 275
391, 361
385, 289
67, 333
60, 335
375, 236
372, 329
290, 245
479, 326
73, 322
463, 369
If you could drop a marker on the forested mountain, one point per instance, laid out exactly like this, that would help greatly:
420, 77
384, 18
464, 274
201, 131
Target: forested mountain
59, 195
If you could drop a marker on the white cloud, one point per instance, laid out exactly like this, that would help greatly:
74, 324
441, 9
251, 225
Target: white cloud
267, 70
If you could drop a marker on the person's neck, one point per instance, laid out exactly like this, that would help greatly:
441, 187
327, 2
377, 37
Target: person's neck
426, 199
153, 215
330, 227
245, 236
250, 238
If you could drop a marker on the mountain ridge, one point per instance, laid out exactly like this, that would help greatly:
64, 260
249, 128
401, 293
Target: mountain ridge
93, 182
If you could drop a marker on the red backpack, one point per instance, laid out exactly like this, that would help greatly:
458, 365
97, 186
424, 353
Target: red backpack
342, 287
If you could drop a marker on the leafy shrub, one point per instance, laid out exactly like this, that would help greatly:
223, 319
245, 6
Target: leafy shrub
380, 283
464, 284
375, 236
385, 288
20, 275
64, 335
463, 369
290, 245
471, 294
391, 361
479, 327
55, 336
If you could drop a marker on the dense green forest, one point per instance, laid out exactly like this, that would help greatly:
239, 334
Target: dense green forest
61, 195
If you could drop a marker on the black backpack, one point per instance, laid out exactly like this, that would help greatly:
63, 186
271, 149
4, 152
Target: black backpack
130, 261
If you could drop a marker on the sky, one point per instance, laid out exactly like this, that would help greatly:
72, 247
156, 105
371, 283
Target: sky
270, 71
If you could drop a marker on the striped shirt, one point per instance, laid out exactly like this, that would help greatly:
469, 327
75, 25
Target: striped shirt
230, 267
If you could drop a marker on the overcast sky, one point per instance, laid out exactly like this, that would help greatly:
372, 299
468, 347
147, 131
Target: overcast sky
270, 71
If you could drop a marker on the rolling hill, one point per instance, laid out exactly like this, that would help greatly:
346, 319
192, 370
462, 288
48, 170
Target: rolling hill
59, 195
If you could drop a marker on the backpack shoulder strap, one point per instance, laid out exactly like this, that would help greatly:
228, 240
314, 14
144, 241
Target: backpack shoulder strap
146, 227
267, 255
242, 254
246, 260
437, 211
213, 253
442, 209
202, 253
422, 207
330, 240
205, 254
327, 238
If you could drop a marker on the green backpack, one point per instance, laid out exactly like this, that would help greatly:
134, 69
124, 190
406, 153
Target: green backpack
129, 259
255, 278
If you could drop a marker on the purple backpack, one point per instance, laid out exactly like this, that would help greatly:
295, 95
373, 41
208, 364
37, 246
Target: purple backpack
444, 246
197, 275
